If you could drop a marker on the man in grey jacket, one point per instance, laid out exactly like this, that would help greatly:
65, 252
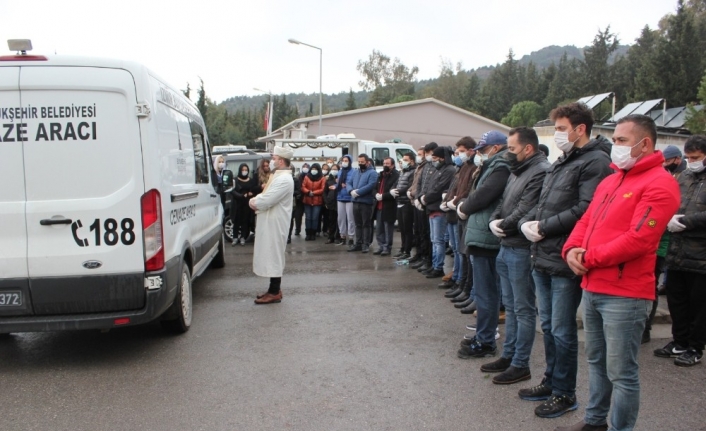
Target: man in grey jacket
528, 167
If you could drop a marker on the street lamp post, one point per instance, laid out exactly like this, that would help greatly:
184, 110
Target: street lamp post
321, 53
270, 113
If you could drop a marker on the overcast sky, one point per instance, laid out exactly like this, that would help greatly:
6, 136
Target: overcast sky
237, 45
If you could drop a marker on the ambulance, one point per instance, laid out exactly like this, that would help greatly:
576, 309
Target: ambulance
108, 210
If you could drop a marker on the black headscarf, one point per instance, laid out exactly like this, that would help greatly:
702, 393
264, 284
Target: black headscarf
240, 170
316, 177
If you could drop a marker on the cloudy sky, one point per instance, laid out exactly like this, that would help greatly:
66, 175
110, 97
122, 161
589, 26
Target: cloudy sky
237, 45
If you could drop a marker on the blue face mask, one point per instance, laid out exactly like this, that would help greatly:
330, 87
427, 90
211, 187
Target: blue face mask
458, 161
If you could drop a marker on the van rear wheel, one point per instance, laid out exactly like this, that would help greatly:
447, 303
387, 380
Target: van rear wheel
182, 306
228, 229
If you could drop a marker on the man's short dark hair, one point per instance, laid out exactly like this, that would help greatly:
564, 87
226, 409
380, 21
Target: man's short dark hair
644, 123
392, 161
466, 142
526, 136
431, 146
695, 143
577, 113
365, 156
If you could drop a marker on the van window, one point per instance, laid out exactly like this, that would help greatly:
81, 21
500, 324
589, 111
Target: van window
379, 155
200, 153
403, 151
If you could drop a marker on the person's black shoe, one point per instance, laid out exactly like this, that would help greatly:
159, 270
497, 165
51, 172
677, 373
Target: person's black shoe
351, 242
330, 241
366, 249
460, 298
436, 273
689, 358
424, 267
540, 392
449, 252
377, 252
355, 247
289, 240
385, 253
671, 350
470, 309
645, 337
446, 284
512, 375
468, 340
454, 293
403, 257
477, 350
427, 271
418, 264
497, 366
297, 233
556, 406
465, 303
662, 289
398, 254
416, 258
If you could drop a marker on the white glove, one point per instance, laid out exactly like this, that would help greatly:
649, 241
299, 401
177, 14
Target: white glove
354, 193
461, 215
443, 196
531, 231
378, 196
423, 200
495, 229
417, 204
409, 194
674, 225
395, 192
451, 205
444, 207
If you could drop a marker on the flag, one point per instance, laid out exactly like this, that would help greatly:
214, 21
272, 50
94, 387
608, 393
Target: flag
267, 118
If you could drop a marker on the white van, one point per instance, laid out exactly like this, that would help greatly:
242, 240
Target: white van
107, 207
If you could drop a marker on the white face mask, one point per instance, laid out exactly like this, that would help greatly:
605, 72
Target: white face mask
324, 172
696, 166
314, 172
334, 172
620, 156
428, 158
479, 158
344, 164
561, 139
221, 166
405, 165
463, 156
419, 159
305, 170
273, 166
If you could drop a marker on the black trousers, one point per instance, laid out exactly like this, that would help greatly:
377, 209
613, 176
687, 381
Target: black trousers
659, 265
405, 220
686, 296
422, 234
298, 213
363, 216
243, 218
275, 283
332, 224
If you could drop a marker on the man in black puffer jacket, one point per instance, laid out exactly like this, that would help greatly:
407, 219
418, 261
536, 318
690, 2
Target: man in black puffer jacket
528, 167
567, 190
437, 184
405, 210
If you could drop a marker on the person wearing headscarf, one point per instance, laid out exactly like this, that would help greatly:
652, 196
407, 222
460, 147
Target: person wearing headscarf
299, 205
313, 199
332, 205
245, 188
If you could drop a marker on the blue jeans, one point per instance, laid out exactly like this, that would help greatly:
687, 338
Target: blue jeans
311, 212
613, 326
437, 227
515, 272
384, 232
558, 299
452, 232
485, 283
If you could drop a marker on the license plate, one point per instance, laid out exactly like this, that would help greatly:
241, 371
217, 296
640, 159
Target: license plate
11, 299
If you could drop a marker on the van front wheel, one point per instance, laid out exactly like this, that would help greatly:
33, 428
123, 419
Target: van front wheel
182, 306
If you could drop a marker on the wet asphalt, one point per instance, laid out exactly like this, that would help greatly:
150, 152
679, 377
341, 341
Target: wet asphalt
358, 343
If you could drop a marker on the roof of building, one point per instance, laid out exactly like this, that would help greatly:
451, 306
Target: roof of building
430, 100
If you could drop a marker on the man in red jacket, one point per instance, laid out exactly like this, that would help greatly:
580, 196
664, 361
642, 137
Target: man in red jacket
614, 247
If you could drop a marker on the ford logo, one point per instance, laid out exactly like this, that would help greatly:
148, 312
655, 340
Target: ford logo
92, 264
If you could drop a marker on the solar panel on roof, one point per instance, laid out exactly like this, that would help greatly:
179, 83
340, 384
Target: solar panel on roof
593, 101
647, 106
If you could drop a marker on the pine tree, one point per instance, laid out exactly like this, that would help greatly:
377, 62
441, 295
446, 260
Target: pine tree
350, 102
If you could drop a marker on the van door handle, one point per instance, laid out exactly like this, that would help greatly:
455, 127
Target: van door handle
213, 195
53, 221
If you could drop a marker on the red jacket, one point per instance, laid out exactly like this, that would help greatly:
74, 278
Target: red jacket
313, 186
622, 227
